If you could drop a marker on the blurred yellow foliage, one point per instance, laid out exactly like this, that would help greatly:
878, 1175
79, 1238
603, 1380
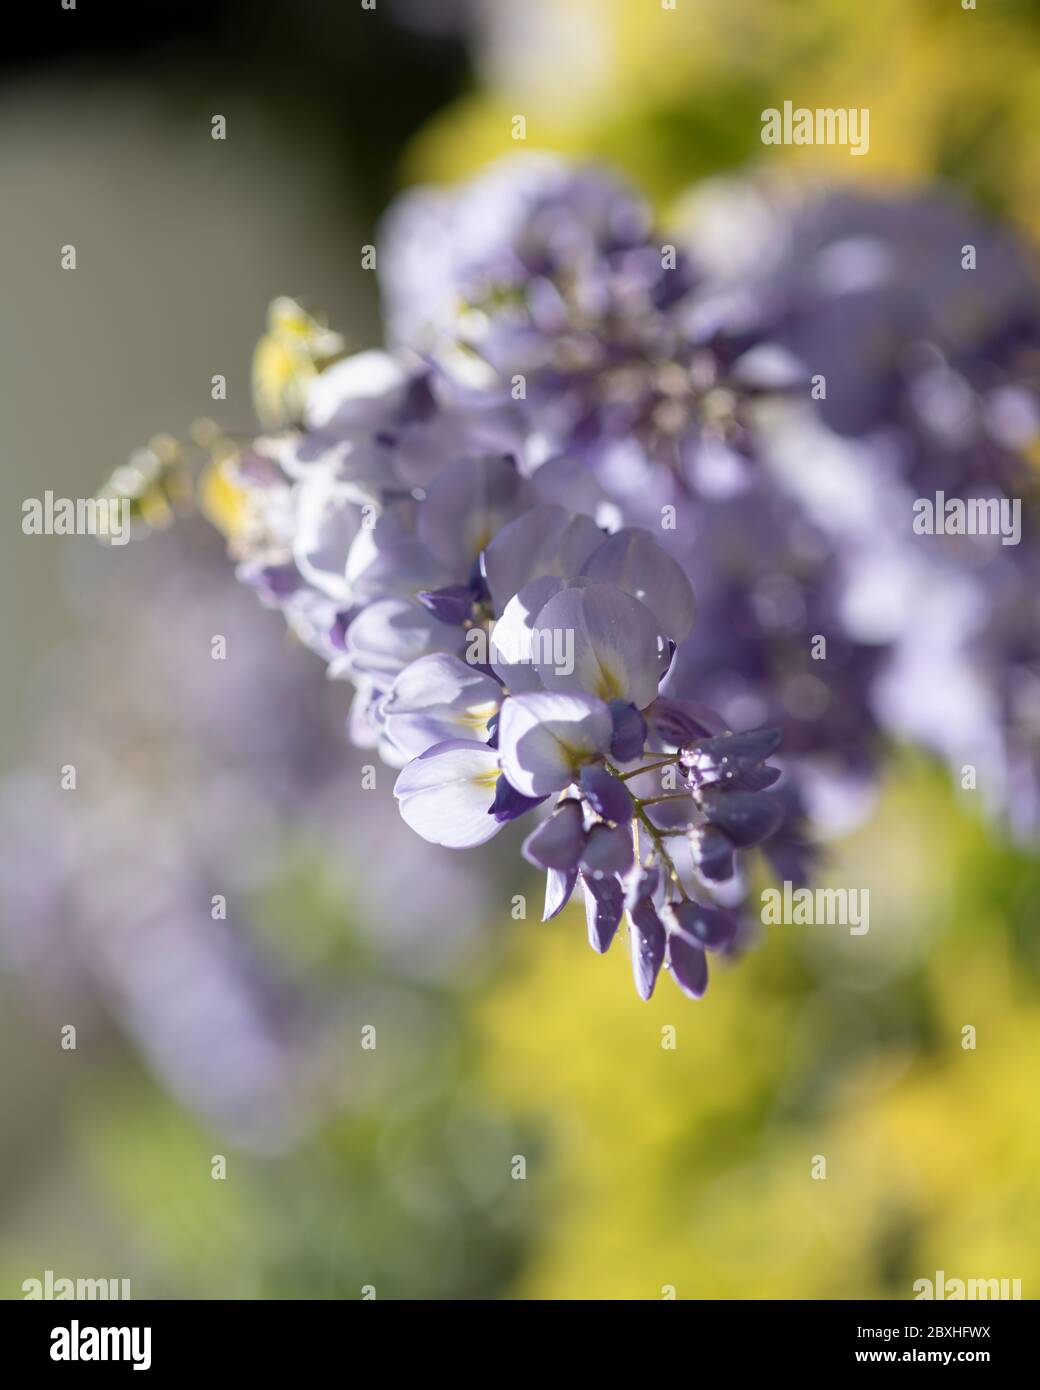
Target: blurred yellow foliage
673, 94
691, 1168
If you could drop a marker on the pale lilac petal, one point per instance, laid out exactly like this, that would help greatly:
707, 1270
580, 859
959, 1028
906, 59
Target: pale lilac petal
389, 634
545, 739
388, 559
466, 505
328, 519
611, 645
632, 560
438, 698
544, 541
446, 794
357, 392
513, 637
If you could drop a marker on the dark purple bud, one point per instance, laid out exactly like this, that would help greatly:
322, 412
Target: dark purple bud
607, 796
629, 737
453, 604
712, 853
745, 818
641, 884
754, 746
509, 803
791, 851
608, 851
711, 928
647, 938
755, 778
604, 901
558, 889
689, 966
678, 722
558, 842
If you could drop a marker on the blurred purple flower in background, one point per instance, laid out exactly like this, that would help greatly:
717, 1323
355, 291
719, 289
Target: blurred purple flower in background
552, 281
199, 778
923, 320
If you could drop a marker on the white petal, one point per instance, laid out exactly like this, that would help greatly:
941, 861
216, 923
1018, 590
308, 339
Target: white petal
545, 738
438, 698
446, 794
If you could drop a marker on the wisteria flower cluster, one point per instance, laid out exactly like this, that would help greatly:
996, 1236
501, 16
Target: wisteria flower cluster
495, 530
507, 655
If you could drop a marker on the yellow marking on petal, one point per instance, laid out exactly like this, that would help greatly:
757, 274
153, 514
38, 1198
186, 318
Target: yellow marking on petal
486, 779
609, 684
480, 542
477, 716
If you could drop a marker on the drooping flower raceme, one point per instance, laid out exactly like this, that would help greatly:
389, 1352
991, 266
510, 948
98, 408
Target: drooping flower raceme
507, 653
496, 540
573, 631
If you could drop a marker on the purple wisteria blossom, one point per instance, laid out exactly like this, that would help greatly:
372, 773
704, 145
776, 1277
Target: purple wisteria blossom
550, 283
572, 722
920, 322
615, 493
507, 653
199, 777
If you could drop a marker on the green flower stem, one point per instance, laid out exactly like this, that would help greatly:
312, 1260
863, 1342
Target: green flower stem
652, 831
638, 771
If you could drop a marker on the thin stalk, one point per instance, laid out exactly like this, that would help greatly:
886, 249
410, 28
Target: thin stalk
651, 767
656, 838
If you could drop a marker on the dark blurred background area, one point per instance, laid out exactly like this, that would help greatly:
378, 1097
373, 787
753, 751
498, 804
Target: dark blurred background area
353, 84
